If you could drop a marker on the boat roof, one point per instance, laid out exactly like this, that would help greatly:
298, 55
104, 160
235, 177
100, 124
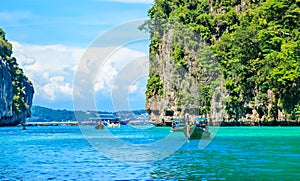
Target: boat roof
104, 116
176, 119
200, 119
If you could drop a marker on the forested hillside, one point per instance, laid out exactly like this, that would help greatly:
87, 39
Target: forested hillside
257, 44
43, 114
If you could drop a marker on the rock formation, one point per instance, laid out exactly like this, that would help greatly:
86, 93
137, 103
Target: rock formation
16, 91
182, 69
256, 44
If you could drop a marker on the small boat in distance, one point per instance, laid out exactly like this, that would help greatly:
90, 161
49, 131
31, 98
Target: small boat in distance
101, 120
114, 124
125, 121
140, 122
99, 125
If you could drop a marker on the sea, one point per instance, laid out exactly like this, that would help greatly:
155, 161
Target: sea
148, 153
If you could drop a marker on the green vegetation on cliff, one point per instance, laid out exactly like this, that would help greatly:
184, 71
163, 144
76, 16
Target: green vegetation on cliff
20, 82
257, 44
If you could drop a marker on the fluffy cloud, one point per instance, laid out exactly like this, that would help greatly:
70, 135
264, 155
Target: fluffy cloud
132, 88
105, 78
51, 68
56, 87
52, 58
112, 67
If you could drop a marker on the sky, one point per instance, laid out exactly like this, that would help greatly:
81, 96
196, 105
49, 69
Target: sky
52, 41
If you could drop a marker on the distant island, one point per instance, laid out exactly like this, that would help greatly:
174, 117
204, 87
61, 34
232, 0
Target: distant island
253, 45
43, 114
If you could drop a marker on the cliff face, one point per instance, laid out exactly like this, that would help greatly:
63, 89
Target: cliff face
16, 91
254, 45
6, 94
184, 76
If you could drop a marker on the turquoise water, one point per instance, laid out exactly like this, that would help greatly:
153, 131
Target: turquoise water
64, 153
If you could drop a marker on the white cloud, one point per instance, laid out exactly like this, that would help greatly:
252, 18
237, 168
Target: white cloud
105, 78
48, 58
132, 88
26, 61
116, 62
56, 87
50, 68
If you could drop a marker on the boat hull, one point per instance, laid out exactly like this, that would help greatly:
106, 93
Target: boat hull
113, 125
197, 133
124, 122
178, 129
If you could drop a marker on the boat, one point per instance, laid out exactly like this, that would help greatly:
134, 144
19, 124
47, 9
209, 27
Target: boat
198, 130
125, 121
140, 122
99, 125
114, 124
178, 125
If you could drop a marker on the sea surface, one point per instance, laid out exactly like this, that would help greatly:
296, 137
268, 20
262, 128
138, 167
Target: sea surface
148, 153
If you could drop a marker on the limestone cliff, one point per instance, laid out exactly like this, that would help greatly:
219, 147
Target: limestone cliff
16, 91
184, 76
240, 65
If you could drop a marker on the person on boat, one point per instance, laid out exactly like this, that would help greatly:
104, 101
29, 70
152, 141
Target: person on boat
173, 125
204, 128
187, 123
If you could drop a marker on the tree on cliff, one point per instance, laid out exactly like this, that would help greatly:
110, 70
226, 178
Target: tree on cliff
257, 44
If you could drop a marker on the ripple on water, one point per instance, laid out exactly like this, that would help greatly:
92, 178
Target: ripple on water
56, 153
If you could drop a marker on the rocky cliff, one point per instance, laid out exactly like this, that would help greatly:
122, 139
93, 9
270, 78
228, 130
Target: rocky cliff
16, 91
240, 64
184, 77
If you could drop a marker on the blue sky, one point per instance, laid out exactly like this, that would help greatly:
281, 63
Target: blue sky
50, 36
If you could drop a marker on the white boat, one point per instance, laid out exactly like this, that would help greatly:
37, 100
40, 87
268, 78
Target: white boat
113, 124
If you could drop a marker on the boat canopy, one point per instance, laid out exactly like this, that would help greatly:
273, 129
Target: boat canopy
200, 119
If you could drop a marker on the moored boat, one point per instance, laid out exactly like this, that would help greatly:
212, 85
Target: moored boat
114, 124
125, 121
178, 125
140, 122
198, 130
99, 125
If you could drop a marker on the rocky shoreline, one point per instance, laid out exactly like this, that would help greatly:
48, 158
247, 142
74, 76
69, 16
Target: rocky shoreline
269, 123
